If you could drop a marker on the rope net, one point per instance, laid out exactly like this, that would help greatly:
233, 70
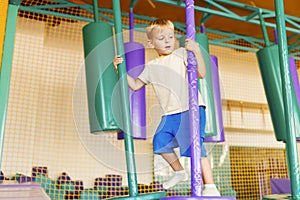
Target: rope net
47, 137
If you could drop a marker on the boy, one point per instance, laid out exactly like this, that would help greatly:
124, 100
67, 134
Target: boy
168, 76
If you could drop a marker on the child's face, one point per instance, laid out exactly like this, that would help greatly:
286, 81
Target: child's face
163, 40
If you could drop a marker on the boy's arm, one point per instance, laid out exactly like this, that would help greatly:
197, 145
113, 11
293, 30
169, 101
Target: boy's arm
194, 47
134, 84
200, 63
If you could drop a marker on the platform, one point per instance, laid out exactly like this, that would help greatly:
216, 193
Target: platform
197, 198
24, 191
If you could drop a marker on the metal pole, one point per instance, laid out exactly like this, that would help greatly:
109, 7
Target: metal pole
263, 27
95, 7
130, 160
6, 66
291, 144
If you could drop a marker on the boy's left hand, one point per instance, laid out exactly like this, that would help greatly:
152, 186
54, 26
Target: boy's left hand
191, 45
117, 60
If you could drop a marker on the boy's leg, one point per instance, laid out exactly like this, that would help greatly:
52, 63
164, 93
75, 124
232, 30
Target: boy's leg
180, 174
209, 188
173, 161
206, 171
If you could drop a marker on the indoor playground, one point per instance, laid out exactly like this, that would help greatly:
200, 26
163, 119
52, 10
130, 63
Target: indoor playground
71, 128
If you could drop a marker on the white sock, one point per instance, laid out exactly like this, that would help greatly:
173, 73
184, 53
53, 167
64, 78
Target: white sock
180, 172
177, 177
210, 190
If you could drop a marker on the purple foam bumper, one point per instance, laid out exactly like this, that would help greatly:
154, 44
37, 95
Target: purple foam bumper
135, 63
218, 102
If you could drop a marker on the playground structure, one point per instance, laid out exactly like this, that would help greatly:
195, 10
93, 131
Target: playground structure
127, 117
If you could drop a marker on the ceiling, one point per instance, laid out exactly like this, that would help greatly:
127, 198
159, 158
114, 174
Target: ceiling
236, 23
152, 8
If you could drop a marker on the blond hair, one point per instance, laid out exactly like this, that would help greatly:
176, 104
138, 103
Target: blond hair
158, 23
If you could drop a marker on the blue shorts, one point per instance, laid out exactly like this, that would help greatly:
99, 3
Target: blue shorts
174, 131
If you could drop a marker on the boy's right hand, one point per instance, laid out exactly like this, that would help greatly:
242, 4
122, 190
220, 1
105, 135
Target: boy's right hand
117, 60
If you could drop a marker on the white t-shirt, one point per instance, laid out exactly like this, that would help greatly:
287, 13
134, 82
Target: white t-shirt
168, 76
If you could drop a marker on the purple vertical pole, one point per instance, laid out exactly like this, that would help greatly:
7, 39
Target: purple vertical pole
196, 169
202, 29
131, 24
